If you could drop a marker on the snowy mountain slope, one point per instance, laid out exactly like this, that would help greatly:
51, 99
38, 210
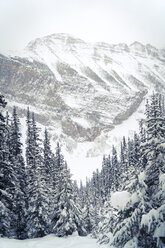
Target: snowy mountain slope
80, 90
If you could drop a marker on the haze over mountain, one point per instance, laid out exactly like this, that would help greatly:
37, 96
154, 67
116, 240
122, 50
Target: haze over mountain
80, 90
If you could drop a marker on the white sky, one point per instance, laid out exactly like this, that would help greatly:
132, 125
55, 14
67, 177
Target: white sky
112, 21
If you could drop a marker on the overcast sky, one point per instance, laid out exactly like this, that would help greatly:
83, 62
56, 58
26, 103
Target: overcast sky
112, 21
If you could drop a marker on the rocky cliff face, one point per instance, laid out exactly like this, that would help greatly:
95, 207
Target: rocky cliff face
78, 89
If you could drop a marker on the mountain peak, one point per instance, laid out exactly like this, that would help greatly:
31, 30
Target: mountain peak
138, 46
82, 89
63, 38
149, 49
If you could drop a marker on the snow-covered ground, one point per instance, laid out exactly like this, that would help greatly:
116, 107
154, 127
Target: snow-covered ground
51, 241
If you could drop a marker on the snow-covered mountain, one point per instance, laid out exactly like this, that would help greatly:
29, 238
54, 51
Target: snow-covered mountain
80, 90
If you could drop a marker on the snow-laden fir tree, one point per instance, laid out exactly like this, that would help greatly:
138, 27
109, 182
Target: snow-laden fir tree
136, 151
142, 134
115, 170
50, 180
123, 164
82, 195
7, 179
5, 176
68, 217
107, 225
37, 195
155, 169
141, 221
106, 177
17, 161
88, 215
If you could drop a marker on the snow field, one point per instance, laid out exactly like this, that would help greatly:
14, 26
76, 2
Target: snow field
51, 241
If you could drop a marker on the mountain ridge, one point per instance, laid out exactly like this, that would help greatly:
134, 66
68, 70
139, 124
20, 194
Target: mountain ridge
82, 89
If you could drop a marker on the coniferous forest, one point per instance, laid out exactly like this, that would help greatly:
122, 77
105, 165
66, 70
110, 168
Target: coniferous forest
38, 196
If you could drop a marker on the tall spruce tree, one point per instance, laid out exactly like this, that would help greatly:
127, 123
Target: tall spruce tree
17, 161
155, 168
115, 170
48, 179
140, 221
88, 215
136, 151
106, 178
7, 180
68, 218
37, 194
142, 134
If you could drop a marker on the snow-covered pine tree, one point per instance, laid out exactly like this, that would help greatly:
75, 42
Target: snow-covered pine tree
115, 170
136, 151
57, 174
7, 182
132, 163
155, 138
123, 164
141, 222
142, 134
130, 153
47, 153
88, 215
103, 180
68, 217
82, 195
37, 195
76, 193
106, 178
97, 201
97, 188
107, 225
155, 168
43, 189
128, 222
17, 161
114, 228
49, 180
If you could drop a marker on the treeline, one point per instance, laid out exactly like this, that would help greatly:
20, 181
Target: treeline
38, 197
139, 169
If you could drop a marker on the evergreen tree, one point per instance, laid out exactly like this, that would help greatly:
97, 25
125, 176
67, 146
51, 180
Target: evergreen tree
115, 170
155, 166
127, 226
19, 191
106, 178
68, 215
143, 159
136, 151
108, 224
6, 178
49, 180
88, 216
130, 153
37, 194
82, 195
123, 164
141, 220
